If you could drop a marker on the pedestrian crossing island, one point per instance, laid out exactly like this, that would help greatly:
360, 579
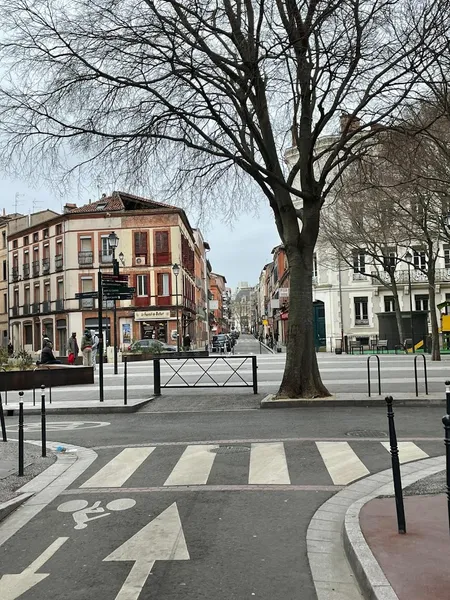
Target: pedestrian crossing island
268, 464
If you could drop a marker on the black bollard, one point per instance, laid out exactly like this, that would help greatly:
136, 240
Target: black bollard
2, 421
21, 435
43, 423
446, 422
125, 380
447, 396
396, 467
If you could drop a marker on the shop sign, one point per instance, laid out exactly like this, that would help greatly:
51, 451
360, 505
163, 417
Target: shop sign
213, 304
151, 315
283, 293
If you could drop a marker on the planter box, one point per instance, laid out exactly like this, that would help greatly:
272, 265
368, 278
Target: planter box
131, 357
28, 380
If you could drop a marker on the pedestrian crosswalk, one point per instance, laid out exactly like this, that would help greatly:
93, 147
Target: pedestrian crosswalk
256, 463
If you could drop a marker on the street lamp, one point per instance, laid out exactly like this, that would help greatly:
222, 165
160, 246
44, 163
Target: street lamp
409, 260
113, 242
176, 272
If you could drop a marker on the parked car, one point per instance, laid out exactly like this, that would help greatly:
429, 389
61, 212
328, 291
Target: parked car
146, 344
222, 343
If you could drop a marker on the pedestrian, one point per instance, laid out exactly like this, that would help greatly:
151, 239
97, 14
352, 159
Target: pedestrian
73, 349
47, 356
86, 348
187, 343
10, 348
275, 337
270, 340
94, 349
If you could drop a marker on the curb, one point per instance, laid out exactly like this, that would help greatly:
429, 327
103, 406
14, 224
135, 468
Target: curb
46, 486
74, 410
342, 564
270, 402
9, 506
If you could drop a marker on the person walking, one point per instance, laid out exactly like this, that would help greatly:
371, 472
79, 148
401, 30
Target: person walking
86, 348
187, 343
94, 349
73, 349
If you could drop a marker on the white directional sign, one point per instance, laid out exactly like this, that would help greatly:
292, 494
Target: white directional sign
13, 586
161, 539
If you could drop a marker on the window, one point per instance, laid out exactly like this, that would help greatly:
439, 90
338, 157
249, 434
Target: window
37, 294
421, 302
315, 265
389, 304
47, 291
36, 237
60, 289
59, 229
16, 297
359, 261
27, 296
390, 260
5, 303
161, 242
142, 285
46, 234
361, 314
420, 261
163, 284
140, 243
4, 270
26, 240
106, 248
87, 284
15, 244
86, 244
447, 256
4, 239
28, 334
26, 257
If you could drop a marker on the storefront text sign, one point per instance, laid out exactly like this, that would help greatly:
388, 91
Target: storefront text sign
151, 315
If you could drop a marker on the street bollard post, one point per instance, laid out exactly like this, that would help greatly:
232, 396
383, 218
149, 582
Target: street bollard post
446, 422
125, 380
254, 374
2, 421
396, 467
21, 444
34, 396
156, 377
43, 423
447, 395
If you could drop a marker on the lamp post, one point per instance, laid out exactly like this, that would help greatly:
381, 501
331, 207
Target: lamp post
176, 272
409, 259
113, 242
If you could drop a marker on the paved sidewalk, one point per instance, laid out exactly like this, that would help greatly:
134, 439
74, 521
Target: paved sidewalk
67, 407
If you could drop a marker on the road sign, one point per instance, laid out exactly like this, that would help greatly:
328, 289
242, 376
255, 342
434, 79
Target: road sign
107, 277
87, 295
13, 586
120, 297
161, 539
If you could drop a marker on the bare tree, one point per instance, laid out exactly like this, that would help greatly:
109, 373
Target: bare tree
211, 89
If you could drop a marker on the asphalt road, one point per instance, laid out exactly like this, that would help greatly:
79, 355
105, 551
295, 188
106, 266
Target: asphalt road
343, 374
220, 500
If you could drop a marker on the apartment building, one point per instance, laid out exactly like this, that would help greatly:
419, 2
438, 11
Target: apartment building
217, 288
201, 289
54, 256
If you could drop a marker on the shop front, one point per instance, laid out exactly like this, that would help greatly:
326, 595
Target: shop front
155, 324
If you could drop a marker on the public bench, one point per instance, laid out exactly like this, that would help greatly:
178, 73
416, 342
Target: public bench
356, 345
382, 345
54, 375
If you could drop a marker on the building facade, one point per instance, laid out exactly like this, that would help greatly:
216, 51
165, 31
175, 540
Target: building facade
219, 321
54, 256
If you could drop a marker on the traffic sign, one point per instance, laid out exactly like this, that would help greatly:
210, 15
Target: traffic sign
107, 277
87, 295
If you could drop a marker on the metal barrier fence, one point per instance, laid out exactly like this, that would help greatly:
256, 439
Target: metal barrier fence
177, 379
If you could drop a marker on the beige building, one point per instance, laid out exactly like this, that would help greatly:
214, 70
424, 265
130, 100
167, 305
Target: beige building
55, 256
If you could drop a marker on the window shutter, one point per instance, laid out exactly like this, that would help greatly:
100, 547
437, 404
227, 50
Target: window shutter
162, 242
140, 242
160, 284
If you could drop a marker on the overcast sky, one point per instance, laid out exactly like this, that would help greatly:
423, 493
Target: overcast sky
238, 251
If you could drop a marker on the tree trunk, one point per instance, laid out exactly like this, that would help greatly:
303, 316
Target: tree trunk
398, 312
435, 349
301, 377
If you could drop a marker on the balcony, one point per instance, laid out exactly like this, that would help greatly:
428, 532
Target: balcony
163, 301
35, 267
45, 266
189, 304
46, 306
401, 276
105, 258
15, 311
59, 305
162, 258
361, 321
15, 273
359, 277
86, 258
26, 310
58, 262
26, 270
35, 308
86, 303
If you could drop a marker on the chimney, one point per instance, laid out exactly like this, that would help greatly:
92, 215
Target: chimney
4, 212
349, 123
68, 207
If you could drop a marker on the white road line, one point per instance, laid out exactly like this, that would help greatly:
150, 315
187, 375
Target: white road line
407, 451
342, 463
119, 469
194, 466
268, 464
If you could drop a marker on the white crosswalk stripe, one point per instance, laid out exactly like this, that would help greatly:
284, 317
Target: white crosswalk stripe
407, 451
119, 469
194, 466
342, 463
268, 464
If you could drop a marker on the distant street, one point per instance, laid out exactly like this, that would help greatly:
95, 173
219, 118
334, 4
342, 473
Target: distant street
341, 373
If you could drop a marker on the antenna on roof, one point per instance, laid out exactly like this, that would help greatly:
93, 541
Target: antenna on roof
35, 203
17, 201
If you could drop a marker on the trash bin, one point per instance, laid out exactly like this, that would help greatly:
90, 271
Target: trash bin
278, 349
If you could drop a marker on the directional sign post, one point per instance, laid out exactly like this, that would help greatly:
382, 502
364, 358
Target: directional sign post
13, 586
161, 539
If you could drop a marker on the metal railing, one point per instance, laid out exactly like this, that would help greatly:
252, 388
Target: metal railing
86, 258
203, 376
15, 273
35, 268
45, 266
26, 270
424, 373
59, 305
104, 258
368, 373
59, 262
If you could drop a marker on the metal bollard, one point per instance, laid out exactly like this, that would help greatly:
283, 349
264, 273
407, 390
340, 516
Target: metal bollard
34, 396
21, 444
447, 396
43, 423
254, 375
2, 421
125, 380
446, 422
396, 467
156, 377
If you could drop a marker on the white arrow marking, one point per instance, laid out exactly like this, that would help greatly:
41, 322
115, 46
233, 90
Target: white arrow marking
13, 586
161, 539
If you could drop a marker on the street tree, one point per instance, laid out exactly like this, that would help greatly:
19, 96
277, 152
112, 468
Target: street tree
217, 91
